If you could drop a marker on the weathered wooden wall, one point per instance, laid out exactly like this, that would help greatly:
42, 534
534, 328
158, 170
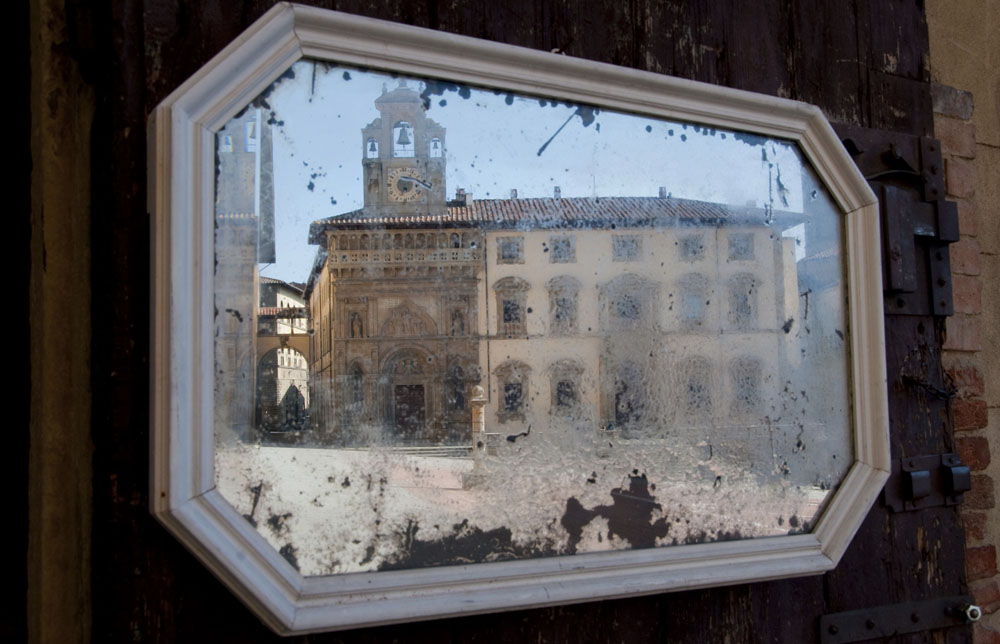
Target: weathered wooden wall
863, 63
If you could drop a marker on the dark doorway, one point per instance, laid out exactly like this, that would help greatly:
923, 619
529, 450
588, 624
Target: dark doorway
408, 404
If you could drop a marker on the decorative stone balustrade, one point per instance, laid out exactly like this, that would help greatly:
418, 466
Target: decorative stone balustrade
406, 257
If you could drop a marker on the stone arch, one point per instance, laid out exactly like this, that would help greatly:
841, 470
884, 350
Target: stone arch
276, 406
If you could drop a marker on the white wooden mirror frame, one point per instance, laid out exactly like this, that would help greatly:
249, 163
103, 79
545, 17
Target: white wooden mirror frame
181, 168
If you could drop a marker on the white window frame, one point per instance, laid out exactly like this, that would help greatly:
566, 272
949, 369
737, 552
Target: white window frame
183, 496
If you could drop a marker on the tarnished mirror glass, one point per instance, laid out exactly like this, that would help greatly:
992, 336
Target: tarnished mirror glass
457, 325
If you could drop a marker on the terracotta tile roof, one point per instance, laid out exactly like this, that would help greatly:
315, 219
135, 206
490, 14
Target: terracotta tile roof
567, 212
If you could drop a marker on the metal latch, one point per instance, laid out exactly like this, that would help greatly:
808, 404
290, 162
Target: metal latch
897, 619
907, 174
919, 482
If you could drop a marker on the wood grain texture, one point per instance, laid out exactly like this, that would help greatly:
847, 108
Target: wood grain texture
148, 588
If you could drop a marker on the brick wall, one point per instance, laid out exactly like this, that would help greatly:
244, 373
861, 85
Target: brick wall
964, 354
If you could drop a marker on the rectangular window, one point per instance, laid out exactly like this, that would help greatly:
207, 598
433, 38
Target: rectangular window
510, 250
693, 290
562, 250
513, 397
625, 248
692, 307
745, 375
565, 394
511, 312
564, 314
740, 246
742, 302
628, 307
693, 247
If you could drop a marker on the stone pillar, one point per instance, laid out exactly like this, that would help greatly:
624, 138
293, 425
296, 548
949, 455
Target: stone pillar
478, 403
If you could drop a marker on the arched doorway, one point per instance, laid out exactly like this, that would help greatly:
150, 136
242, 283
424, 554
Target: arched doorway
282, 394
406, 380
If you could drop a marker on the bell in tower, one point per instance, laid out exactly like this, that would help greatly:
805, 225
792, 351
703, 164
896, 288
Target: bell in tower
403, 156
403, 146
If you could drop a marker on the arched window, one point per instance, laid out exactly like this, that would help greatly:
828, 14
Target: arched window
564, 385
629, 302
402, 140
356, 387
693, 300
435, 149
629, 395
695, 385
563, 297
742, 301
512, 382
745, 374
512, 297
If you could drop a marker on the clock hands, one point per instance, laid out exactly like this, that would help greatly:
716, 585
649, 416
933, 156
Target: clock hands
425, 184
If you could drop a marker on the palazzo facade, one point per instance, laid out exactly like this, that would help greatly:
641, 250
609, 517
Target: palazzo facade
632, 314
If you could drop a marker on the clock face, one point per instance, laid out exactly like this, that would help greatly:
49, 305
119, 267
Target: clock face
406, 184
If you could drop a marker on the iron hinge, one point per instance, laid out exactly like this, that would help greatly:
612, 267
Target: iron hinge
920, 482
906, 173
897, 619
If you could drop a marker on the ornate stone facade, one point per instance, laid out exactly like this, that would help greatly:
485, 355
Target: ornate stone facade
644, 316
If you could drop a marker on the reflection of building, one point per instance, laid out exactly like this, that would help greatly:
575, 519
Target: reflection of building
390, 348
262, 347
624, 312
282, 346
243, 237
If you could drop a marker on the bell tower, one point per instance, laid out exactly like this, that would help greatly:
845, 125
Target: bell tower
403, 156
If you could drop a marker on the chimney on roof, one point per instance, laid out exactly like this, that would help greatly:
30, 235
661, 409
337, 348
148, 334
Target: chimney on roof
557, 193
462, 197
513, 193
663, 192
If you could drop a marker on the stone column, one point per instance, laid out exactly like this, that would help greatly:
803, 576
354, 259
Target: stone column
478, 403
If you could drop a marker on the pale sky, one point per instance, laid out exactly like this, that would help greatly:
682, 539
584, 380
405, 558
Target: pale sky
492, 145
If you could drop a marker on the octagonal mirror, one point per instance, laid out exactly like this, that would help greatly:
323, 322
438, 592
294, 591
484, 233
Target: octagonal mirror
444, 326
